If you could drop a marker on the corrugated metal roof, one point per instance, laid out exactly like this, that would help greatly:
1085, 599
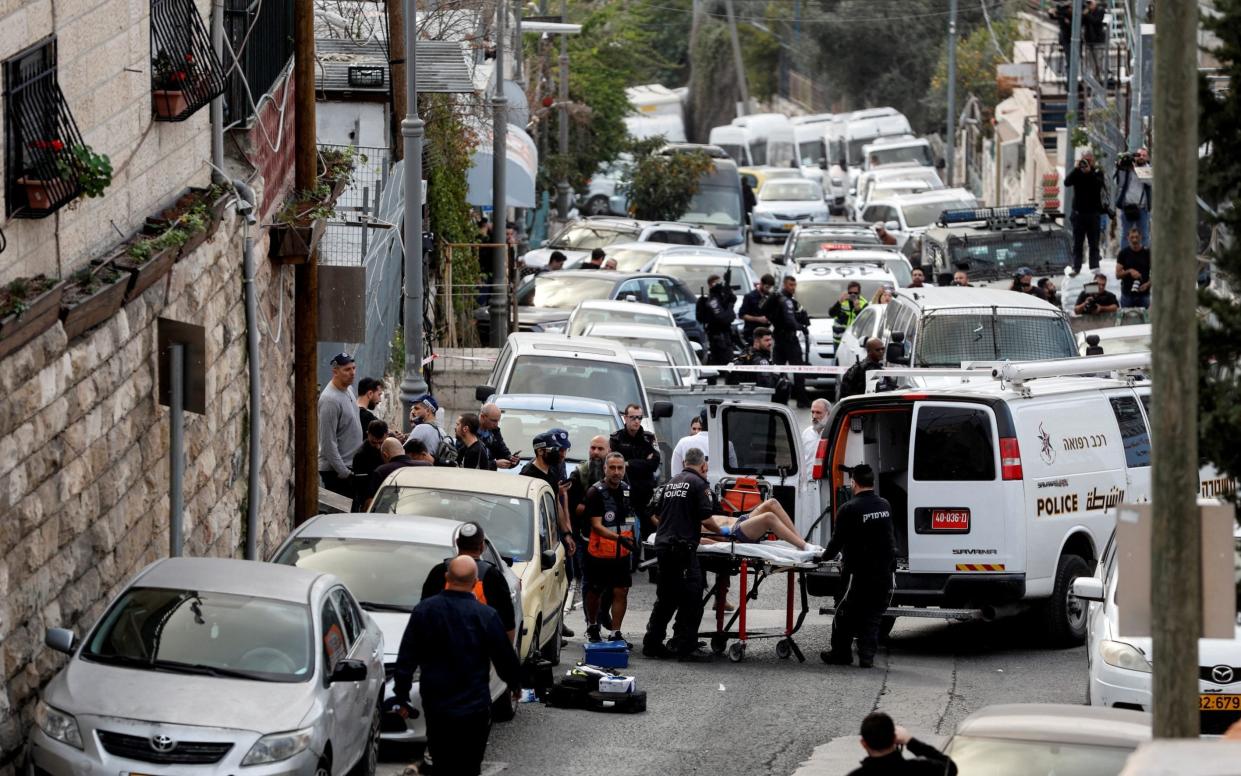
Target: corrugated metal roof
441, 67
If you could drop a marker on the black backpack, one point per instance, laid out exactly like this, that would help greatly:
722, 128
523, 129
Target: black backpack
446, 453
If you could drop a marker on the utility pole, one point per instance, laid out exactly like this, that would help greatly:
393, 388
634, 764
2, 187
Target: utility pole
499, 201
1135, 80
950, 157
737, 61
305, 276
1176, 532
563, 199
412, 131
396, 70
1070, 101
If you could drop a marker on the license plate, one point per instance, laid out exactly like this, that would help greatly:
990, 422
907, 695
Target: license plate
788, 227
1212, 702
950, 519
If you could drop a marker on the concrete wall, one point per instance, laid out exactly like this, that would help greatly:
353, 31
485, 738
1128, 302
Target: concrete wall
84, 458
104, 63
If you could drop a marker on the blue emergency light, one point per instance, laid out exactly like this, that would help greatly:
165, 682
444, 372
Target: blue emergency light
1008, 213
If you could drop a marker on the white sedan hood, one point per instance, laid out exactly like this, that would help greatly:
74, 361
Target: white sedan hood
538, 257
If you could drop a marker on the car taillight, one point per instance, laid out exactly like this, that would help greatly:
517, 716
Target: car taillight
819, 456
1010, 459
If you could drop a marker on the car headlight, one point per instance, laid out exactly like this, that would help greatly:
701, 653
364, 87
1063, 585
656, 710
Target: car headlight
277, 746
57, 724
1122, 655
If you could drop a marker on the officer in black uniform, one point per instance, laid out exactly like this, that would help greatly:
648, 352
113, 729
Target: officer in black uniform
492, 589
787, 318
864, 534
686, 505
642, 462
751, 311
715, 313
759, 354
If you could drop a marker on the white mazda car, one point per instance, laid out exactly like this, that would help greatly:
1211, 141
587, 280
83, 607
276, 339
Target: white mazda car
1120, 668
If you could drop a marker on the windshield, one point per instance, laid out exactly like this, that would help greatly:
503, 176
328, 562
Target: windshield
1116, 345
780, 152
818, 296
808, 243
925, 214
999, 255
521, 426
920, 154
588, 315
584, 237
717, 205
855, 149
563, 291
609, 381
695, 275
735, 151
659, 376
630, 259
506, 520
376, 572
758, 152
978, 756
187, 631
791, 191
674, 349
947, 339
811, 152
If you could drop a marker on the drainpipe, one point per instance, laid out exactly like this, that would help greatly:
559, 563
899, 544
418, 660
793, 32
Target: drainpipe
217, 105
245, 209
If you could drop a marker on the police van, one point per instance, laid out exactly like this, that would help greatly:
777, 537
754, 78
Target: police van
1003, 490
992, 243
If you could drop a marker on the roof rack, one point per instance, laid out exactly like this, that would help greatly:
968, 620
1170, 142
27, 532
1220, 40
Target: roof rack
1018, 374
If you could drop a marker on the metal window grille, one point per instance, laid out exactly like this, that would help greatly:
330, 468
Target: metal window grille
40, 136
948, 337
185, 72
261, 34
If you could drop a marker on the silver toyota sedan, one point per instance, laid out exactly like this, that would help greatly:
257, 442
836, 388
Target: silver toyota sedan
212, 665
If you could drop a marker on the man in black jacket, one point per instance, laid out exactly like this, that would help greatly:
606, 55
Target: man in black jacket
752, 306
642, 462
454, 640
883, 740
787, 318
491, 588
759, 354
863, 533
1089, 204
853, 382
715, 313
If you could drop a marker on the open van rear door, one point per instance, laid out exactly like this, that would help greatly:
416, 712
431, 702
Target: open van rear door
763, 442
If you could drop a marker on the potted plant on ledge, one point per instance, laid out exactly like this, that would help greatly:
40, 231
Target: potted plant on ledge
298, 227
169, 80
92, 296
149, 258
28, 307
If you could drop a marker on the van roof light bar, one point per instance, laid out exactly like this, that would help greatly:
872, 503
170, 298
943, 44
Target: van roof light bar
1067, 367
1008, 214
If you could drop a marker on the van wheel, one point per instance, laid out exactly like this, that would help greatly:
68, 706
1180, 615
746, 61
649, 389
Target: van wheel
504, 708
1064, 615
598, 206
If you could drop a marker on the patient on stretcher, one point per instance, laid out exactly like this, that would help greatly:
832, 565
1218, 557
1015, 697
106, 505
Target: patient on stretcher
766, 518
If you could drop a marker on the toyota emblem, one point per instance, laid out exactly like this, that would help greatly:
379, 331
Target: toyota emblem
162, 743
1222, 674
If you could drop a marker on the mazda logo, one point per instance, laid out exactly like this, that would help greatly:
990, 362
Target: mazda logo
1222, 674
162, 743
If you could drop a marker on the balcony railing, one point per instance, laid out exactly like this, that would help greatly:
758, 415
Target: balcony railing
185, 72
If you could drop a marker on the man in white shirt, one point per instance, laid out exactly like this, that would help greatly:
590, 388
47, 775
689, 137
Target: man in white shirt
692, 442
810, 437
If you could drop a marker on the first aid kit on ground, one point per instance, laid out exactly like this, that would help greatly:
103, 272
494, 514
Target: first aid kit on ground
617, 684
596, 689
607, 654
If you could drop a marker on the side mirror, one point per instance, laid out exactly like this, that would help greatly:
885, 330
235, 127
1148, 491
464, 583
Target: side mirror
661, 409
822, 163
892, 226
508, 560
778, 259
547, 559
1088, 589
630, 298
838, 329
697, 346
348, 671
941, 164
60, 639
484, 392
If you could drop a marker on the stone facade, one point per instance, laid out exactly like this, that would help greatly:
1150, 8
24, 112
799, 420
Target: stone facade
84, 457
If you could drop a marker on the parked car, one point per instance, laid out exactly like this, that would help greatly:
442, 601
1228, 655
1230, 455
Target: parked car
383, 562
808, 239
871, 182
582, 236
693, 266
1133, 338
1046, 739
529, 414
908, 215
639, 335
629, 256
852, 345
218, 665
1119, 667
593, 311
819, 287
518, 514
889, 151
877, 256
784, 203
603, 196
545, 301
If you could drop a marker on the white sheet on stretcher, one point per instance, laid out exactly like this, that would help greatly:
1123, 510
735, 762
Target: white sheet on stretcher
777, 553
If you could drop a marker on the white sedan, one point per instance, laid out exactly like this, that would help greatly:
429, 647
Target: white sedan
1120, 667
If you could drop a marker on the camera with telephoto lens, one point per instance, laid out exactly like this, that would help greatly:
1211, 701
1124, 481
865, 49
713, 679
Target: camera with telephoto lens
1125, 161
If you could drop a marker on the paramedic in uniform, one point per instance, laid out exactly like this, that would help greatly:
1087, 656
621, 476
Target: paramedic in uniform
863, 534
687, 505
610, 549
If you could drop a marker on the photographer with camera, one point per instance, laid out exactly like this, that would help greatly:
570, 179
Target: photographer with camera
1095, 299
716, 313
1133, 267
1089, 203
1133, 195
849, 305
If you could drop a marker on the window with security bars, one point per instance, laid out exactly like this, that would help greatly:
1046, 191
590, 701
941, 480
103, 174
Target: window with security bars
185, 72
40, 136
945, 339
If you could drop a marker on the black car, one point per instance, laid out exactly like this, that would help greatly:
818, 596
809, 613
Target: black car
545, 301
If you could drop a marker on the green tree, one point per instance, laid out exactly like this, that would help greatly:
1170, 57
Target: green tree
1219, 330
662, 186
977, 57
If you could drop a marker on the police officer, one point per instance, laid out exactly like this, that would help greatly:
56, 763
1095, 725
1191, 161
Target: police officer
454, 641
491, 588
864, 535
787, 318
751, 311
686, 505
715, 313
759, 354
611, 549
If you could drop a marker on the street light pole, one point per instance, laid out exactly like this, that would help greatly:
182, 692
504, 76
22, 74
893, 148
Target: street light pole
412, 132
499, 202
563, 199
950, 156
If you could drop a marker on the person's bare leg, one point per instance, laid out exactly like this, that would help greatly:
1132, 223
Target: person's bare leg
757, 526
771, 506
590, 607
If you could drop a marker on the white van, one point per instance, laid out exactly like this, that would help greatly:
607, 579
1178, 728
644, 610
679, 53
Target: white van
772, 141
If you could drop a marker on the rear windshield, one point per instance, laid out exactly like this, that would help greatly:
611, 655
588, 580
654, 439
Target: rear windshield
585, 237
588, 315
818, 296
507, 521
999, 255
614, 382
377, 572
946, 340
808, 243
927, 213
918, 154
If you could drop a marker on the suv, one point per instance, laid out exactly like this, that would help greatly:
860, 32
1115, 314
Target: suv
907, 215
993, 242
582, 236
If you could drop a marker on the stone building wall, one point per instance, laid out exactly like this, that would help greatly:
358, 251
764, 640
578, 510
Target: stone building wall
84, 457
